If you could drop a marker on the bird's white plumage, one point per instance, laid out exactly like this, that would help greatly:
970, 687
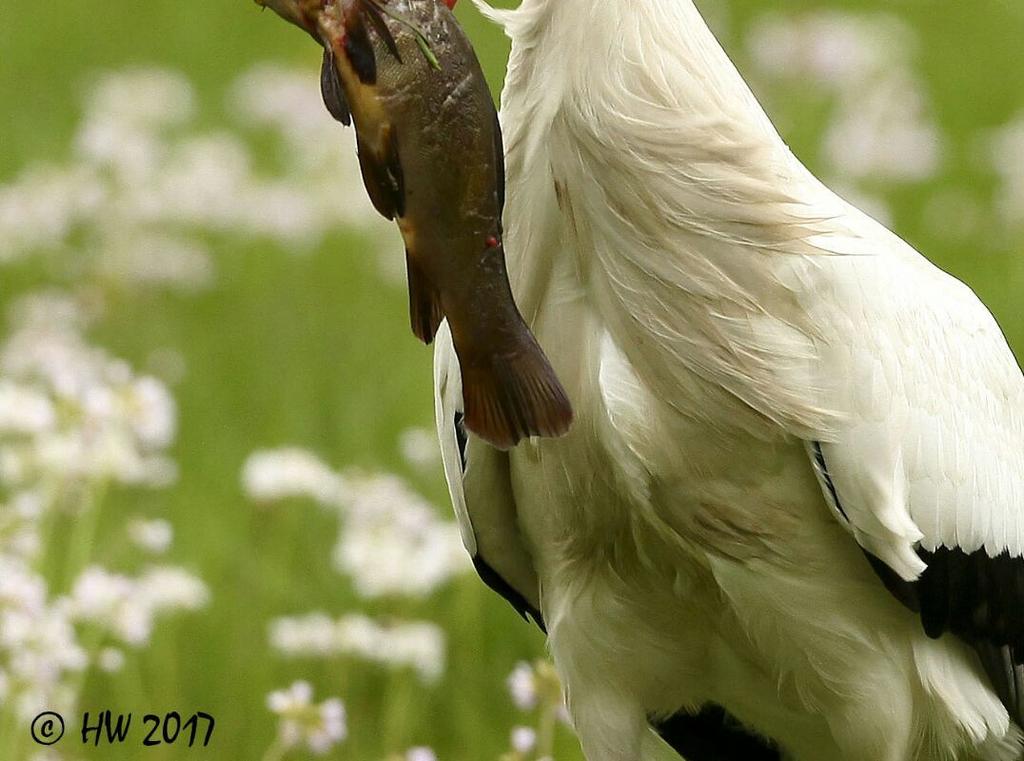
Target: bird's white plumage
481, 485
933, 446
715, 313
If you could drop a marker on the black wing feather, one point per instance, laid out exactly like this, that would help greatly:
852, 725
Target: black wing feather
487, 574
974, 596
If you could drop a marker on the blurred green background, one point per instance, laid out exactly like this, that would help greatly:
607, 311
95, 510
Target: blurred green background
315, 351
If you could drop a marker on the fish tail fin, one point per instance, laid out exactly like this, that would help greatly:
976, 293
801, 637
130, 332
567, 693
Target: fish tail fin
513, 394
425, 309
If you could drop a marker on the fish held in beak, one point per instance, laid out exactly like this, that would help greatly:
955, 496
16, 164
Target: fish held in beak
407, 78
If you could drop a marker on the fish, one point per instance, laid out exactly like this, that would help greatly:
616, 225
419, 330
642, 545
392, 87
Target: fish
432, 159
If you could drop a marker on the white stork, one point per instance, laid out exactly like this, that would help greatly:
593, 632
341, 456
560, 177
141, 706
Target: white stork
789, 519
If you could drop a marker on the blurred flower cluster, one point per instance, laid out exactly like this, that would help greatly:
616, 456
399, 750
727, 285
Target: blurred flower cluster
301, 722
391, 544
70, 411
74, 423
535, 689
391, 541
145, 191
418, 646
137, 204
1005, 153
881, 130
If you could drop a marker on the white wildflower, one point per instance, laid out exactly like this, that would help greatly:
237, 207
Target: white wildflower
132, 155
296, 698
1005, 149
270, 96
417, 645
301, 722
153, 536
419, 448
839, 49
420, 753
41, 647
151, 259
284, 473
24, 542
24, 409
204, 184
110, 659
168, 588
97, 593
128, 606
888, 134
524, 739
393, 542
882, 127
323, 156
20, 587
151, 412
112, 424
316, 634
41, 208
144, 97
522, 686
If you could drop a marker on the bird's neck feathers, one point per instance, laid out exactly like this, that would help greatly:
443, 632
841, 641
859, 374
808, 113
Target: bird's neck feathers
601, 98
588, 43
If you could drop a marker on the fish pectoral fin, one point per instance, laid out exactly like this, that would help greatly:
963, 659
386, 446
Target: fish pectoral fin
425, 309
383, 176
332, 91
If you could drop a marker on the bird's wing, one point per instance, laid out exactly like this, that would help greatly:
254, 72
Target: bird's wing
481, 491
928, 468
932, 449
744, 292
